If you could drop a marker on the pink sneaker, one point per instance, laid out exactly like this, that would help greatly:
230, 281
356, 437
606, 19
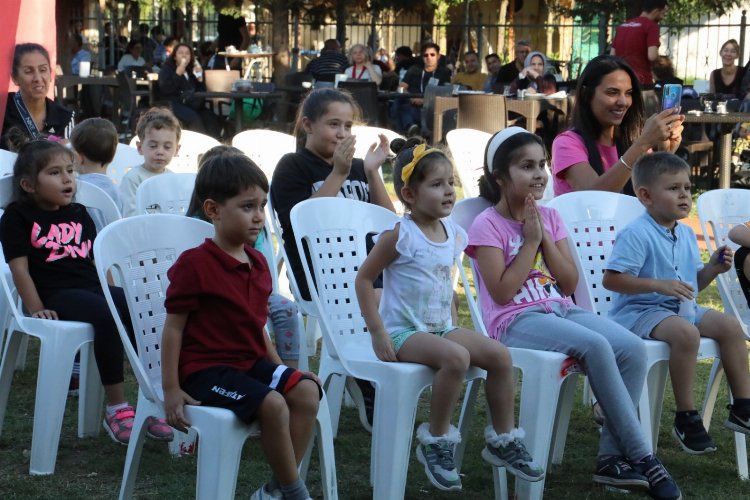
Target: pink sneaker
120, 425
158, 429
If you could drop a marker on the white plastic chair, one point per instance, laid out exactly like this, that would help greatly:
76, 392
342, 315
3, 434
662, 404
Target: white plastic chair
467, 147
265, 147
7, 160
192, 147
165, 194
139, 251
719, 210
593, 219
367, 136
547, 390
126, 157
59, 342
334, 230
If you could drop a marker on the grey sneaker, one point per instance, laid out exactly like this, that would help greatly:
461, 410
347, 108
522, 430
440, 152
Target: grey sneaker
515, 458
439, 466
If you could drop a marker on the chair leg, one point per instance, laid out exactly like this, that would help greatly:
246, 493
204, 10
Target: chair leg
304, 350
324, 440
465, 420
53, 377
652, 401
135, 448
22, 352
500, 478
712, 391
91, 395
562, 418
7, 367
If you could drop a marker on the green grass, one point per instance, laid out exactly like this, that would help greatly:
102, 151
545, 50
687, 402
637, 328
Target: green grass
92, 468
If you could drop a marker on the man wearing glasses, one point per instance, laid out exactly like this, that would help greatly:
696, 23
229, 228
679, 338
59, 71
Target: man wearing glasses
407, 116
510, 71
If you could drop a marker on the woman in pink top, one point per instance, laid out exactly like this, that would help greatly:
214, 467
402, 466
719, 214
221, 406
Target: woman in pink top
609, 133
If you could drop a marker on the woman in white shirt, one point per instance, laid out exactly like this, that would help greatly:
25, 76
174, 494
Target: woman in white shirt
132, 56
361, 66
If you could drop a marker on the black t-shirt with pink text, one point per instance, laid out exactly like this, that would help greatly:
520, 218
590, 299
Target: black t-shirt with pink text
58, 244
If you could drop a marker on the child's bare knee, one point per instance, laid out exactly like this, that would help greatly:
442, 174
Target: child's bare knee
458, 360
273, 408
686, 337
304, 397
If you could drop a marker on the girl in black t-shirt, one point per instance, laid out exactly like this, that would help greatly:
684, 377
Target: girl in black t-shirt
48, 242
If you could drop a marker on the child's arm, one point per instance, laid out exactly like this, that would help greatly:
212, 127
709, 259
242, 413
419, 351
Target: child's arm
720, 262
559, 261
19, 268
382, 254
374, 158
627, 283
740, 234
503, 283
271, 353
174, 397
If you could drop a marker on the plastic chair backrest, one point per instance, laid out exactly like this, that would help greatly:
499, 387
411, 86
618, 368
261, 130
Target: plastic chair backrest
719, 210
7, 160
428, 106
126, 157
367, 136
139, 251
165, 194
192, 147
593, 219
485, 112
467, 148
265, 147
94, 197
334, 231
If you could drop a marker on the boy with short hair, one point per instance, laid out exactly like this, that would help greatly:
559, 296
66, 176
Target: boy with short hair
95, 142
214, 349
656, 270
158, 141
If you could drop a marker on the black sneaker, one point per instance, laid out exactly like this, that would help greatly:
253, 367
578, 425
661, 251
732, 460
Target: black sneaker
617, 472
660, 484
692, 436
738, 421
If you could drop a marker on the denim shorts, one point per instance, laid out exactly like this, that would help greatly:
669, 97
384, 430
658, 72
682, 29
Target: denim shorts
651, 319
398, 338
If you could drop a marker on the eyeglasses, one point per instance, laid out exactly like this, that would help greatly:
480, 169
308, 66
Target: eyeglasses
429, 54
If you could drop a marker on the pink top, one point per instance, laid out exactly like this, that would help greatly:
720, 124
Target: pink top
490, 229
568, 149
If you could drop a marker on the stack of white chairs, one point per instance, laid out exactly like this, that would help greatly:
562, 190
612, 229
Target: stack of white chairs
467, 146
265, 147
547, 390
138, 251
334, 230
7, 160
192, 146
165, 194
719, 210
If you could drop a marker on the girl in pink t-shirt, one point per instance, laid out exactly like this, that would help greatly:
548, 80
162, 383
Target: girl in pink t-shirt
525, 276
608, 130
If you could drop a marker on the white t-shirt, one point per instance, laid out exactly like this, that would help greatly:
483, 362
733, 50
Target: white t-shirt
417, 285
361, 73
129, 185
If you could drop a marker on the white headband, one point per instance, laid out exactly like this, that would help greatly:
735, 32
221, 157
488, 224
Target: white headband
497, 140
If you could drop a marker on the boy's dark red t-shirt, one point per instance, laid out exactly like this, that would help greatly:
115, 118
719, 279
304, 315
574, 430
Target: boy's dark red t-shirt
226, 302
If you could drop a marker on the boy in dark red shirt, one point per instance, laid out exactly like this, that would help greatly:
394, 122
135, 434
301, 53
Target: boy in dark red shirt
214, 349
637, 39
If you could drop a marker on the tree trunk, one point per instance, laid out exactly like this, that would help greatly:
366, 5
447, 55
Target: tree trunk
341, 19
280, 43
501, 16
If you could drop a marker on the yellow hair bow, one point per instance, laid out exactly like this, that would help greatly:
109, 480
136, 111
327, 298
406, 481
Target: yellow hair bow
419, 152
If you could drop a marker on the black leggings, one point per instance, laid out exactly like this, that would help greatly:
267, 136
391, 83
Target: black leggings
90, 306
739, 262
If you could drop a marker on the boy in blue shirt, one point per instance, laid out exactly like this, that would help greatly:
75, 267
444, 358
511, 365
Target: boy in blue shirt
656, 270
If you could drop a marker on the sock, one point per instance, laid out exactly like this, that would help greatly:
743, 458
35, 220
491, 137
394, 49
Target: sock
111, 410
741, 406
295, 491
273, 484
682, 416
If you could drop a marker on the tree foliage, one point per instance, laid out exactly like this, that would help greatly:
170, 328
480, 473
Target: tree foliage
680, 11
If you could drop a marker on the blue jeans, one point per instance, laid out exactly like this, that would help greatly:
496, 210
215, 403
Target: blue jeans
403, 114
614, 360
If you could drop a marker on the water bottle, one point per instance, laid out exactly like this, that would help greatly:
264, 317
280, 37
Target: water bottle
687, 310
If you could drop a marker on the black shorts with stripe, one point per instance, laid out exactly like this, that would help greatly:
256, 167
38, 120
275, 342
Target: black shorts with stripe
242, 392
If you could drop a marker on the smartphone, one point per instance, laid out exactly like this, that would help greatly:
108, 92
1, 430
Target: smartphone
672, 96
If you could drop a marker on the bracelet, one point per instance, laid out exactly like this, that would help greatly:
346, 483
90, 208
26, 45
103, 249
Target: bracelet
624, 164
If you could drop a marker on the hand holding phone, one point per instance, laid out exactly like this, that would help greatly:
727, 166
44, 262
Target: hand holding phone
672, 95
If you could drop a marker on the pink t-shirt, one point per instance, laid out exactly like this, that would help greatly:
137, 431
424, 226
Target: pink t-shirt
568, 149
490, 229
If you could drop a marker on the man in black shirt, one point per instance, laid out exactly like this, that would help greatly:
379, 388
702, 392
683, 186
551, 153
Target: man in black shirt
407, 113
329, 63
510, 71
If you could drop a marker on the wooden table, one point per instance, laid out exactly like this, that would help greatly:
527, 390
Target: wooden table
726, 122
237, 97
64, 81
530, 108
265, 58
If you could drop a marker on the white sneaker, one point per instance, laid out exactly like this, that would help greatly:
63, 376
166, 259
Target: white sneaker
264, 494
